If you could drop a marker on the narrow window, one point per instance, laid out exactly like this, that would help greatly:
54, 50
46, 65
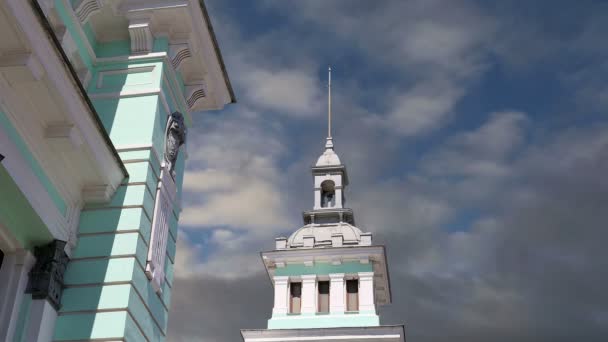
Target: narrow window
295, 298
323, 287
352, 295
1, 258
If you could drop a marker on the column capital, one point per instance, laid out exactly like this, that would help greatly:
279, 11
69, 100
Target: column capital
366, 275
336, 276
307, 278
281, 279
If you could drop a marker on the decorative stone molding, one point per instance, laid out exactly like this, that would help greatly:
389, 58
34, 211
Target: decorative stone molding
63, 134
163, 209
46, 277
195, 92
309, 241
178, 53
21, 67
86, 8
97, 193
281, 243
337, 239
141, 36
366, 239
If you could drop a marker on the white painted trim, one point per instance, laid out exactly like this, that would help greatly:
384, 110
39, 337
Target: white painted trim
63, 83
126, 93
13, 280
129, 148
41, 322
134, 70
135, 93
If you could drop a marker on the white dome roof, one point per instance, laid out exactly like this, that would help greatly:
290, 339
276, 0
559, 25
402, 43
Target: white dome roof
329, 157
323, 233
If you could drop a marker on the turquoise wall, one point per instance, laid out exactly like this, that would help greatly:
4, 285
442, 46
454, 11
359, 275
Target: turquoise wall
107, 294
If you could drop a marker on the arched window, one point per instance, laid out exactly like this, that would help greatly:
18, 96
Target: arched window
328, 194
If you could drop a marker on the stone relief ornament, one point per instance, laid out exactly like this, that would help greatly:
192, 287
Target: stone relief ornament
175, 137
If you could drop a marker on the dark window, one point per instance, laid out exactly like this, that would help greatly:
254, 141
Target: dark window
323, 287
352, 295
1, 258
295, 297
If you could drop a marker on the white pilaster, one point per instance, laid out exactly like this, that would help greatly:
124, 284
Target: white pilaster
336, 293
13, 280
280, 295
338, 195
41, 323
309, 302
366, 291
317, 199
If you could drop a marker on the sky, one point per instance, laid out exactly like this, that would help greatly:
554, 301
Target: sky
475, 134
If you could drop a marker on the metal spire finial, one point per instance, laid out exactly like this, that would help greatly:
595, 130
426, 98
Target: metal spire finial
329, 104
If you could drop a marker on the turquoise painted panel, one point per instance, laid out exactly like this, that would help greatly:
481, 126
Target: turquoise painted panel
166, 294
142, 284
132, 332
135, 155
169, 270
180, 167
85, 326
111, 297
320, 268
142, 173
324, 321
152, 300
121, 116
104, 245
7, 127
23, 318
129, 195
115, 220
173, 225
98, 271
113, 49
91, 298
136, 78
90, 34
161, 44
171, 246
160, 125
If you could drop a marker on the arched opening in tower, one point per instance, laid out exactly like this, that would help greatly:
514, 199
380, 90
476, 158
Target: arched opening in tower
328, 194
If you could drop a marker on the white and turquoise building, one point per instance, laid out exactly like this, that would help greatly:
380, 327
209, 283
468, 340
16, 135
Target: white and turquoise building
329, 278
95, 100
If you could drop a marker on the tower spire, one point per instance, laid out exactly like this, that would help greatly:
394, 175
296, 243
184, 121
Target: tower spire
329, 103
329, 144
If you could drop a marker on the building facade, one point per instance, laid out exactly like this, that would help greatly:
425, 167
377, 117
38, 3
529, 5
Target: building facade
329, 278
96, 97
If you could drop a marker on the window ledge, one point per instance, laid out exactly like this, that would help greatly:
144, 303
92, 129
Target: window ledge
351, 312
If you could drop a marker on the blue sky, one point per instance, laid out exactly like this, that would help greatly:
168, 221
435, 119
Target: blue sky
476, 138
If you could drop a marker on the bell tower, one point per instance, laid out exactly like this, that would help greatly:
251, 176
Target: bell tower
329, 279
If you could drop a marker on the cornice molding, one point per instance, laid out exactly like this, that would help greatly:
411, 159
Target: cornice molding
141, 36
86, 8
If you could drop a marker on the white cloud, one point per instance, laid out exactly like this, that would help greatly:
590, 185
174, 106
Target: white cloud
286, 91
423, 108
